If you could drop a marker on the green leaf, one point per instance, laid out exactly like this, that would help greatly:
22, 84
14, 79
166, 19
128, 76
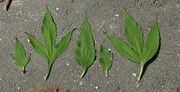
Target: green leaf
20, 58
106, 58
37, 46
49, 29
85, 50
49, 50
123, 48
136, 51
64, 42
152, 43
134, 34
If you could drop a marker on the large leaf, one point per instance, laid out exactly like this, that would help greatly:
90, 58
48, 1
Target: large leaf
85, 50
134, 34
152, 42
20, 58
123, 48
106, 58
136, 51
50, 50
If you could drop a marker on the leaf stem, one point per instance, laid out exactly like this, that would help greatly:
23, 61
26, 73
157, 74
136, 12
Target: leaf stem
141, 71
106, 73
83, 71
23, 70
48, 72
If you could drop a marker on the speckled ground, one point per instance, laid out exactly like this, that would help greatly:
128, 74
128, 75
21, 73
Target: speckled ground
105, 16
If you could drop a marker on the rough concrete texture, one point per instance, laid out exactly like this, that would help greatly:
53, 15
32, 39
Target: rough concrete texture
105, 16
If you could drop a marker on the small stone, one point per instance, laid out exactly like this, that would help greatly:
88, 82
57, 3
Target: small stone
18, 88
28, 40
116, 15
67, 64
80, 83
67, 55
134, 74
109, 49
57, 9
96, 87
0, 39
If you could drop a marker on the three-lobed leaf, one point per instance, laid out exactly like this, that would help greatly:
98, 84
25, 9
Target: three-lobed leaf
50, 50
106, 58
85, 50
136, 50
20, 57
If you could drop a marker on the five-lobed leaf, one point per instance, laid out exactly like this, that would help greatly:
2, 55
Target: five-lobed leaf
106, 58
20, 57
85, 50
50, 50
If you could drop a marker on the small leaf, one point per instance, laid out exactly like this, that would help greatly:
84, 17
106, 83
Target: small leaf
85, 50
134, 34
123, 48
152, 43
106, 58
20, 58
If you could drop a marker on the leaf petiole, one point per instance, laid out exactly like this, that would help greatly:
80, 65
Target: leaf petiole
48, 72
141, 71
106, 73
23, 70
83, 71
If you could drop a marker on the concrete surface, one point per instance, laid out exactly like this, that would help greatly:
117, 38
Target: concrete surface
104, 15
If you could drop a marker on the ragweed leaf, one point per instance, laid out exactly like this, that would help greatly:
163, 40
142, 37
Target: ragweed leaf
37, 46
123, 48
85, 50
20, 57
48, 29
136, 51
134, 34
49, 50
106, 58
152, 42
63, 44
